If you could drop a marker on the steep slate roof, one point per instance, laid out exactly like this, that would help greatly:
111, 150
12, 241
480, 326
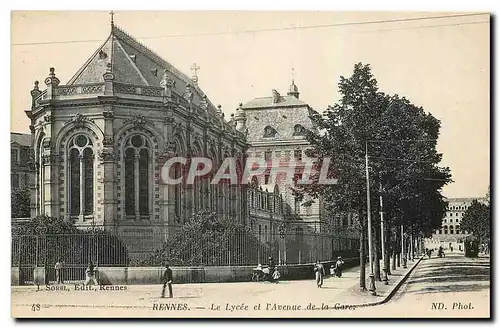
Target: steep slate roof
265, 102
23, 139
282, 116
132, 63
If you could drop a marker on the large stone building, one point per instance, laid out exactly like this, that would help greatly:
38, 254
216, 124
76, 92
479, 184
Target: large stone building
450, 234
277, 127
100, 141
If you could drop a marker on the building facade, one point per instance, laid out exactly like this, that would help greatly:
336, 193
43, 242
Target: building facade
277, 128
21, 173
100, 142
450, 235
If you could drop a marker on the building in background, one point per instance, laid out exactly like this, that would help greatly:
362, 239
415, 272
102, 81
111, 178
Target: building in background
277, 126
450, 234
21, 173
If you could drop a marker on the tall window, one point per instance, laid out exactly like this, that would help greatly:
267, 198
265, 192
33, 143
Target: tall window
23, 155
81, 176
177, 190
13, 155
14, 177
297, 205
137, 176
451, 230
445, 230
297, 154
268, 156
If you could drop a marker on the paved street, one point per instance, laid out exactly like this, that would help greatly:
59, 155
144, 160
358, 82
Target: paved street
453, 279
461, 284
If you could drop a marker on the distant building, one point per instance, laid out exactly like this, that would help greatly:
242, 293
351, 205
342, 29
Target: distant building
450, 234
20, 171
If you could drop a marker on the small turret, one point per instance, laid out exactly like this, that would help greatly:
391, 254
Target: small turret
51, 82
241, 119
293, 90
34, 94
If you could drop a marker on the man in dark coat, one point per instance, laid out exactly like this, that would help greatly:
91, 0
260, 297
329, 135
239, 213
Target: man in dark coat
167, 280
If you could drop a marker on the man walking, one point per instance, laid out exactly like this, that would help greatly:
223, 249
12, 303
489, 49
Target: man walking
167, 280
58, 267
90, 272
320, 272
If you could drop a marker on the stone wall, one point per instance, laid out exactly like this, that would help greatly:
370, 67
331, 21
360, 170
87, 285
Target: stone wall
185, 275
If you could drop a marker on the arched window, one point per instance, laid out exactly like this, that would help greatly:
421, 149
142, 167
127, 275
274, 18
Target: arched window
40, 180
445, 230
81, 176
177, 191
269, 132
451, 230
137, 176
298, 130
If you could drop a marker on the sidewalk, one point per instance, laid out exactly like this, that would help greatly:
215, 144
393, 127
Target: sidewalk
136, 299
352, 295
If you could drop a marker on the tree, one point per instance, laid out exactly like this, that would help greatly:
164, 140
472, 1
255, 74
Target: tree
207, 239
477, 219
20, 203
400, 139
45, 240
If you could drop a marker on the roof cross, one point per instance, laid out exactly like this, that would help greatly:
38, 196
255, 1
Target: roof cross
195, 69
112, 14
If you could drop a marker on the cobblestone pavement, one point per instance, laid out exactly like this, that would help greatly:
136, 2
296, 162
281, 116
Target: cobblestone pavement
257, 299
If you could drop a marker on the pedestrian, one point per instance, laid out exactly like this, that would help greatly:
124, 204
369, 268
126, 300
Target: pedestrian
271, 264
59, 275
320, 272
276, 275
90, 273
451, 249
167, 280
339, 266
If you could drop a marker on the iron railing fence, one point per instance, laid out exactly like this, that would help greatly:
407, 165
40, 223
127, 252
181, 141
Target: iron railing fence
75, 251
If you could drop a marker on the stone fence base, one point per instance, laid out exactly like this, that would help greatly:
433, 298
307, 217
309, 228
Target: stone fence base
185, 275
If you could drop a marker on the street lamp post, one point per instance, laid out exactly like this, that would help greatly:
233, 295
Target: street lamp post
384, 267
403, 254
371, 286
282, 237
411, 247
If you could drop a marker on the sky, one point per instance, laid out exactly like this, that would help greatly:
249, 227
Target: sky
441, 64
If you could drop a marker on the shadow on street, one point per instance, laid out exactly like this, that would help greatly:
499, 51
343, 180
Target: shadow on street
452, 274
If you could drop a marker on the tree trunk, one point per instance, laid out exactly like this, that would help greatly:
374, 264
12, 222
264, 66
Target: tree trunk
397, 250
376, 258
393, 260
362, 252
388, 247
